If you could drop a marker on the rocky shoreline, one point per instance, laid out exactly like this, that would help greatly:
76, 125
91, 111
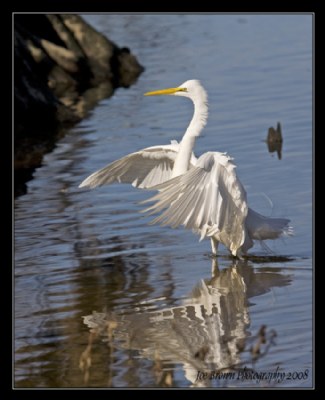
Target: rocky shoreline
62, 68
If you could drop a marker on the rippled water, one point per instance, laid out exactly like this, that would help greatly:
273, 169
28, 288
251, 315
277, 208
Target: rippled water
159, 312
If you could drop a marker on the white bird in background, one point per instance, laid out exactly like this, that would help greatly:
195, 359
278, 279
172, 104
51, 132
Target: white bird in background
203, 194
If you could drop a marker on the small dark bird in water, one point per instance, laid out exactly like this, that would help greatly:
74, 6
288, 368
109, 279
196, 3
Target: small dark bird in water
274, 140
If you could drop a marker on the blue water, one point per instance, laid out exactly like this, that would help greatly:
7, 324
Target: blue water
79, 251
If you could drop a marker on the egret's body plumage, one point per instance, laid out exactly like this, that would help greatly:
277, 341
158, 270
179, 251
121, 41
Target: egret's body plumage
202, 194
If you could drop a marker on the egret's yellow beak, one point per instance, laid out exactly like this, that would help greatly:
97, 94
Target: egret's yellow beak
166, 91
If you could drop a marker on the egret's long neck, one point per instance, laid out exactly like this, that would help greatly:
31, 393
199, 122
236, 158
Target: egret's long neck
194, 129
183, 157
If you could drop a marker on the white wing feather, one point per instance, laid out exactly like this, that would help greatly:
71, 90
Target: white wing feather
143, 169
208, 198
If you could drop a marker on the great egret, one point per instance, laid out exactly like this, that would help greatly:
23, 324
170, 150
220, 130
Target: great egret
202, 194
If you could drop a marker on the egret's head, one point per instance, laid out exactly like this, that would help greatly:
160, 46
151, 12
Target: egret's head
191, 89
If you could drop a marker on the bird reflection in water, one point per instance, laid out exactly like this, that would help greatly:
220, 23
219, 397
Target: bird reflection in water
207, 332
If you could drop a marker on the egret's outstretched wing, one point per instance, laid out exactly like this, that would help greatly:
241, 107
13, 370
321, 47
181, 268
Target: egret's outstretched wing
209, 198
143, 169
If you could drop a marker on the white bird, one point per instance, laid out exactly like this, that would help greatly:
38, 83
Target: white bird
202, 194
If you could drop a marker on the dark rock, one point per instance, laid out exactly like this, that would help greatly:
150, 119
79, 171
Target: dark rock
63, 67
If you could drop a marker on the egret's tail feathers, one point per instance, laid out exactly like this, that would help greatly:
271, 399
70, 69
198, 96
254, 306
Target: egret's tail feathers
288, 230
263, 228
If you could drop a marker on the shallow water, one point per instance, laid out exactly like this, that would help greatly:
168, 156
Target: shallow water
164, 310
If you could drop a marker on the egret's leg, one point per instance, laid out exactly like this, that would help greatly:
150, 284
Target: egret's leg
214, 268
214, 245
